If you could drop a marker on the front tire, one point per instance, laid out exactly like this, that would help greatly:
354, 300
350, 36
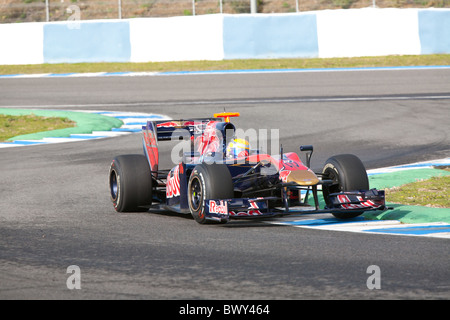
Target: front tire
208, 181
348, 174
130, 183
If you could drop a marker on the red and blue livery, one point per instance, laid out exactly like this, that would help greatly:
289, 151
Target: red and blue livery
221, 178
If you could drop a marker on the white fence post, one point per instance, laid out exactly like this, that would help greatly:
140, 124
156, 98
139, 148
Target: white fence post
253, 6
47, 13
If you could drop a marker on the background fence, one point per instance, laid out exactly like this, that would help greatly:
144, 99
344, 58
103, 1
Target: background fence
322, 34
12, 11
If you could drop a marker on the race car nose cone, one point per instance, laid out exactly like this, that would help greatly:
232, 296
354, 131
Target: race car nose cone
303, 178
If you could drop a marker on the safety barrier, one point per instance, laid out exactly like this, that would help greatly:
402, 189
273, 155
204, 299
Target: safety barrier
328, 33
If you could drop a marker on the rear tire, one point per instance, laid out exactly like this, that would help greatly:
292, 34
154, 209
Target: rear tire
208, 181
130, 183
349, 174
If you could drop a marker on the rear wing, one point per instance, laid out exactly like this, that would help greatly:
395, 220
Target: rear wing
169, 130
203, 133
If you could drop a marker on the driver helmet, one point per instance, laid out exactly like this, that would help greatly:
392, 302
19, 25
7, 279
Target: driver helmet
238, 148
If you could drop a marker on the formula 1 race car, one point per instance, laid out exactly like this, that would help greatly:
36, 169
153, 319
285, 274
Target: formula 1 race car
219, 177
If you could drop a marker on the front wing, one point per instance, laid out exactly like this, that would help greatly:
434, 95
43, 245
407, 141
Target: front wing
343, 202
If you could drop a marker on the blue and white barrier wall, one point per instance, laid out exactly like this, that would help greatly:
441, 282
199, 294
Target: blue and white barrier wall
328, 33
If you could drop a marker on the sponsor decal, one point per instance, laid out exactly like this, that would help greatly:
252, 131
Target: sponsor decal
284, 174
173, 183
253, 210
151, 146
169, 124
221, 208
345, 202
208, 141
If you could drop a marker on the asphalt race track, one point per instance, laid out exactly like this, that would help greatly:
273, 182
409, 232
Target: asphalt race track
55, 209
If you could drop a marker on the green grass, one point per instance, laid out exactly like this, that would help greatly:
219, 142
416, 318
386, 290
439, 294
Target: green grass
434, 192
387, 61
12, 126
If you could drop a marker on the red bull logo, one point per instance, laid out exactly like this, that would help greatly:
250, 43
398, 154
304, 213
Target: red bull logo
284, 175
221, 208
173, 183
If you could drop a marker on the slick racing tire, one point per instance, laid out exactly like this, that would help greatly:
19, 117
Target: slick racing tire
348, 174
130, 183
208, 181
